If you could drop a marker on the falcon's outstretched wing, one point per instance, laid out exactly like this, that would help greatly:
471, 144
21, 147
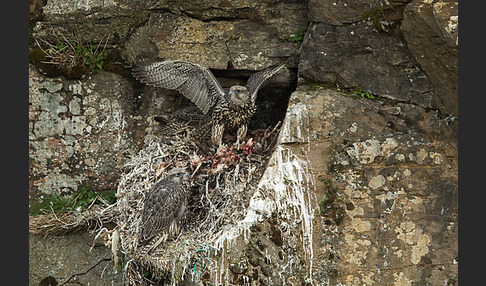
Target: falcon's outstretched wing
194, 81
257, 80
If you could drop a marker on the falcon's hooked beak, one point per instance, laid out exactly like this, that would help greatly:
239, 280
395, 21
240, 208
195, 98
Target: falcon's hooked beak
238, 93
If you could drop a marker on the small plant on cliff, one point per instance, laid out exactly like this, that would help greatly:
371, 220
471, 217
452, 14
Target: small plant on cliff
297, 37
324, 206
382, 17
81, 199
86, 197
50, 203
363, 94
67, 54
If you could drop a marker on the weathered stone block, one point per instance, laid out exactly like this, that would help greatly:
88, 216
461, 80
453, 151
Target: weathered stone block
79, 132
339, 12
189, 39
348, 11
431, 32
215, 44
286, 16
63, 256
357, 56
94, 21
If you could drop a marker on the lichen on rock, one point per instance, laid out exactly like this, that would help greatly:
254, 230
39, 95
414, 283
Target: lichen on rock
75, 128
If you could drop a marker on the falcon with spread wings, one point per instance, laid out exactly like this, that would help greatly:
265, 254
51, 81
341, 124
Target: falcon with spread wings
230, 109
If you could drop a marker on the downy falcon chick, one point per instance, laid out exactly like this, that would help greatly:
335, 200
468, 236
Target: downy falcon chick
231, 109
165, 208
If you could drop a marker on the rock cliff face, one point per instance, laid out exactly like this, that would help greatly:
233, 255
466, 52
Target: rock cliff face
374, 181
396, 183
78, 132
431, 33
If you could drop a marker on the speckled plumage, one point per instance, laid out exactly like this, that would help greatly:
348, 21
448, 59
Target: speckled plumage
231, 109
165, 208
189, 121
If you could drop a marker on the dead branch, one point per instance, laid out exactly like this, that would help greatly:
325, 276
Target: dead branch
88, 270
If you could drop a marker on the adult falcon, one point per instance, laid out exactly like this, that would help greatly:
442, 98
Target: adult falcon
231, 109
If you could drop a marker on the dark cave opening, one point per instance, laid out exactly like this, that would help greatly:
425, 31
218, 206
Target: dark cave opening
272, 102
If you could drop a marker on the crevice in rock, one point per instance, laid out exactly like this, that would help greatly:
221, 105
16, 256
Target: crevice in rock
238, 14
385, 100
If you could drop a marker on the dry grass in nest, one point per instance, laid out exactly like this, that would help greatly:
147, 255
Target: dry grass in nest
51, 223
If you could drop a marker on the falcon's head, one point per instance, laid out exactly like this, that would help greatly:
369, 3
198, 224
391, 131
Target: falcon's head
178, 175
238, 95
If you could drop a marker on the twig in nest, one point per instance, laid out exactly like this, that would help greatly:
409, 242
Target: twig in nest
267, 134
87, 271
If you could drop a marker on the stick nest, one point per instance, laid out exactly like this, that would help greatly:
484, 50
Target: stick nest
223, 183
